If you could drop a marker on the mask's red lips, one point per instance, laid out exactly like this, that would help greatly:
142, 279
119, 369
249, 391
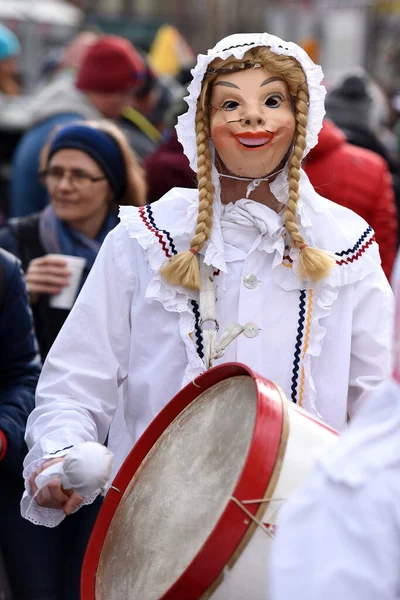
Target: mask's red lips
254, 139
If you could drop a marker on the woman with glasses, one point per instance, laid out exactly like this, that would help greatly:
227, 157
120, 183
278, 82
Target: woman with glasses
88, 169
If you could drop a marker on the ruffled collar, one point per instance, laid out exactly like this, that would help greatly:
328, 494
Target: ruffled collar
268, 224
247, 214
247, 225
323, 224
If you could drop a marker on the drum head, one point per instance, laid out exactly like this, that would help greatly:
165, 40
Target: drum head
173, 502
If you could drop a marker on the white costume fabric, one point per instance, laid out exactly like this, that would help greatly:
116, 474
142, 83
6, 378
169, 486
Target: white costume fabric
338, 538
325, 344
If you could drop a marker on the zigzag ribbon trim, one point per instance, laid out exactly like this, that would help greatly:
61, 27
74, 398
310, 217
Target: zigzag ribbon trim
164, 231
297, 350
359, 253
147, 216
199, 333
357, 245
307, 335
358, 250
239, 46
144, 212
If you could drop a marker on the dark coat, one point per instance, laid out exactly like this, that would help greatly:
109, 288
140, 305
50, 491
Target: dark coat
21, 237
19, 363
167, 168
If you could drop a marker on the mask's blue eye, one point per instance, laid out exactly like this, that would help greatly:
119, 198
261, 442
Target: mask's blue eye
274, 101
230, 105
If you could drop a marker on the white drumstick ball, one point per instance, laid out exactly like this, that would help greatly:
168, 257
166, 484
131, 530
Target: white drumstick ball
87, 468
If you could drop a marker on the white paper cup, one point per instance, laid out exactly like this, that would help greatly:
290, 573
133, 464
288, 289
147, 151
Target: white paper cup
66, 298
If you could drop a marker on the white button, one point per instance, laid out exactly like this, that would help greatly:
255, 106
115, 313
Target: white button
251, 330
250, 281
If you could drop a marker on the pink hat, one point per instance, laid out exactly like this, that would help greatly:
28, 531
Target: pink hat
110, 65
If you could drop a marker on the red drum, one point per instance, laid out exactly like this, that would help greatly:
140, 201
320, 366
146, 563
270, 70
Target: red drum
192, 510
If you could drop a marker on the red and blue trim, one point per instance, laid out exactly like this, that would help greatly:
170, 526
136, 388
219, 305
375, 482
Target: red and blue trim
353, 254
167, 243
146, 214
345, 257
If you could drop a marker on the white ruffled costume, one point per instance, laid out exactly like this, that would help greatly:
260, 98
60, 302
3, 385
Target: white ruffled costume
133, 340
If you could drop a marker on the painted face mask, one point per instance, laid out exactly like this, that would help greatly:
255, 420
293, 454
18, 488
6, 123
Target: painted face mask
236, 46
252, 121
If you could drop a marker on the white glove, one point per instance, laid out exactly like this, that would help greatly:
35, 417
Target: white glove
86, 469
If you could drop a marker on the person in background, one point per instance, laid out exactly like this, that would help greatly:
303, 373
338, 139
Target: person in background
338, 537
141, 120
63, 63
110, 69
19, 373
168, 167
88, 170
9, 52
9, 91
153, 98
72, 56
358, 179
358, 106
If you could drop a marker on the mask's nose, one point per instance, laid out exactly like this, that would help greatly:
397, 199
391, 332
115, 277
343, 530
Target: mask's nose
252, 119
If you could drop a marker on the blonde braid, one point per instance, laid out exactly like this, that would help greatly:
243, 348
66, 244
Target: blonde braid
314, 264
183, 269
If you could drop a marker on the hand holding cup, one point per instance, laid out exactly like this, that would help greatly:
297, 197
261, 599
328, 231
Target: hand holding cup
48, 274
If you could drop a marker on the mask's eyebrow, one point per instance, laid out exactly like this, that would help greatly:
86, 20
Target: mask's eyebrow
270, 80
228, 84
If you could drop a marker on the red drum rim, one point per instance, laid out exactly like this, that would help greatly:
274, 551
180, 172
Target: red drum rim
233, 524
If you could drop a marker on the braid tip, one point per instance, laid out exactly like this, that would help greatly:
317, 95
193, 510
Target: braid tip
315, 264
183, 270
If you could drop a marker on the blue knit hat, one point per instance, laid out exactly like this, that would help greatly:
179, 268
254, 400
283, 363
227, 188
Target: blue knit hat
9, 44
100, 146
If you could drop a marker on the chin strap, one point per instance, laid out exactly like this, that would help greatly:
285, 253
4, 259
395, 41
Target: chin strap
254, 183
208, 319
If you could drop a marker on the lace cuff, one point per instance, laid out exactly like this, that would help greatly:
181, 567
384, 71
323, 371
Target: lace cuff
39, 515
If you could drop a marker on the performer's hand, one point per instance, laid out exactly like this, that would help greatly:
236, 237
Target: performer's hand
53, 494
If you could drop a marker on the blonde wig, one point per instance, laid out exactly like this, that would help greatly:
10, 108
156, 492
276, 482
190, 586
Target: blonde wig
315, 264
135, 194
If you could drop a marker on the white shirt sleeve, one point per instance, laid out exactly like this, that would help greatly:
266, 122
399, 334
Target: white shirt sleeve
339, 542
371, 337
77, 393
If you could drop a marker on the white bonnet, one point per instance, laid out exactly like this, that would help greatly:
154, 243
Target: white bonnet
237, 45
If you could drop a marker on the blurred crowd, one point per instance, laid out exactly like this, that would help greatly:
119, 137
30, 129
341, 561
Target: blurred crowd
98, 132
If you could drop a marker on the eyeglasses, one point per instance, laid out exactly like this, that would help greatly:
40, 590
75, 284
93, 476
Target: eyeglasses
77, 178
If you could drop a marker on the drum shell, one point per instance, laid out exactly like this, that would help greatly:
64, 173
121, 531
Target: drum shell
248, 577
294, 439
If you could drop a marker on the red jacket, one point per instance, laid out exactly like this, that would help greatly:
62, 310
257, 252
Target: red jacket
358, 179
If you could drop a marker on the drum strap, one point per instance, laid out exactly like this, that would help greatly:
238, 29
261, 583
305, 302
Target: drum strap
208, 319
